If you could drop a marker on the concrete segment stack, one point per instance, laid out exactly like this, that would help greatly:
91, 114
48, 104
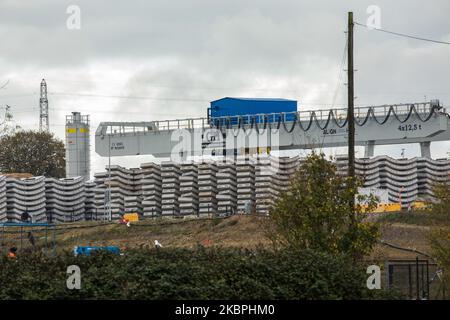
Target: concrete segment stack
65, 199
227, 188
170, 173
2, 199
26, 195
406, 180
245, 179
100, 191
90, 212
207, 188
267, 184
287, 168
151, 189
189, 189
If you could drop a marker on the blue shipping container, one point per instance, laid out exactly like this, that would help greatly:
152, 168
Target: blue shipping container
232, 107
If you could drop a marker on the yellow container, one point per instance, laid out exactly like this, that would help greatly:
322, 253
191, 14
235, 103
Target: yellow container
384, 207
132, 217
420, 205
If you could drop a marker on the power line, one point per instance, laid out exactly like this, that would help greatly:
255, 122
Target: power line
344, 55
56, 109
18, 95
4, 85
150, 98
193, 87
124, 97
403, 35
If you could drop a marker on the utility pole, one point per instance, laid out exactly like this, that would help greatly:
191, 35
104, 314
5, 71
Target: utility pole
351, 120
43, 108
351, 100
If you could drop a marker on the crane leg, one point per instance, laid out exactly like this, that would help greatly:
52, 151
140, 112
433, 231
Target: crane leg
425, 150
369, 149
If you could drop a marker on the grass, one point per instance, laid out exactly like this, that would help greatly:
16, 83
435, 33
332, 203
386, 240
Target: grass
417, 218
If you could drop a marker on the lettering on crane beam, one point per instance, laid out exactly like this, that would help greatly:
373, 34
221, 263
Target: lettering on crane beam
410, 127
334, 131
117, 146
329, 131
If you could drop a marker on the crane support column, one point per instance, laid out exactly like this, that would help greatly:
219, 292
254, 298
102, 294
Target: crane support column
369, 149
425, 149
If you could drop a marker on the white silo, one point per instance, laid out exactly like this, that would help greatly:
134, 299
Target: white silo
77, 146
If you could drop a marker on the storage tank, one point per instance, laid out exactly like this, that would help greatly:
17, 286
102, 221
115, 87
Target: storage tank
232, 107
77, 146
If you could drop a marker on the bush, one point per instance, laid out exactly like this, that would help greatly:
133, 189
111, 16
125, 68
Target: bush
317, 212
439, 234
187, 274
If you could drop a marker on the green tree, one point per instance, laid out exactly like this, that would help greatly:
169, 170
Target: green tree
440, 209
439, 234
37, 153
315, 213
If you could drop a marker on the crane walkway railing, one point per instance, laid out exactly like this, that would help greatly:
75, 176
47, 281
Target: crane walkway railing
381, 114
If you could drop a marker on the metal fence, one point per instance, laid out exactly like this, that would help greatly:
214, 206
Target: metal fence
418, 279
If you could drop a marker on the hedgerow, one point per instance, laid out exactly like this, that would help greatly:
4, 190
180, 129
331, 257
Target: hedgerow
201, 273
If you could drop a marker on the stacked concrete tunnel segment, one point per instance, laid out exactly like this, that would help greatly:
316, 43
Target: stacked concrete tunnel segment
151, 189
188, 199
26, 195
405, 180
251, 184
226, 187
207, 188
245, 185
90, 209
122, 183
44, 199
245, 179
65, 199
170, 176
3, 203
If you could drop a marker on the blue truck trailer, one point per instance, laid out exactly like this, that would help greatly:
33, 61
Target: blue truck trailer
229, 110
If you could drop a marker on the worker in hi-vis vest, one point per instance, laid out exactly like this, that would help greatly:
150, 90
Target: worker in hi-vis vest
12, 253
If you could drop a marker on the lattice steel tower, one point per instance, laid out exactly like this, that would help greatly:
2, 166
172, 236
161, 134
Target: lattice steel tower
43, 108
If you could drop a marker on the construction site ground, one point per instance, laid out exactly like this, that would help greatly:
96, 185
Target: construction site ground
235, 231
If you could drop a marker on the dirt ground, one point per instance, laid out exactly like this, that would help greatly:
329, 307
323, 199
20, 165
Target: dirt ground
236, 231
403, 235
239, 231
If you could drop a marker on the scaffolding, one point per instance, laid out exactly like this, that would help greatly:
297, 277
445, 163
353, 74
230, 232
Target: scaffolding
27, 237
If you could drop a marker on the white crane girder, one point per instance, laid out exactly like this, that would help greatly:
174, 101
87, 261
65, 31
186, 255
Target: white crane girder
383, 125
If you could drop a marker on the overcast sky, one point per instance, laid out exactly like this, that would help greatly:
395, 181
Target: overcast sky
152, 60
